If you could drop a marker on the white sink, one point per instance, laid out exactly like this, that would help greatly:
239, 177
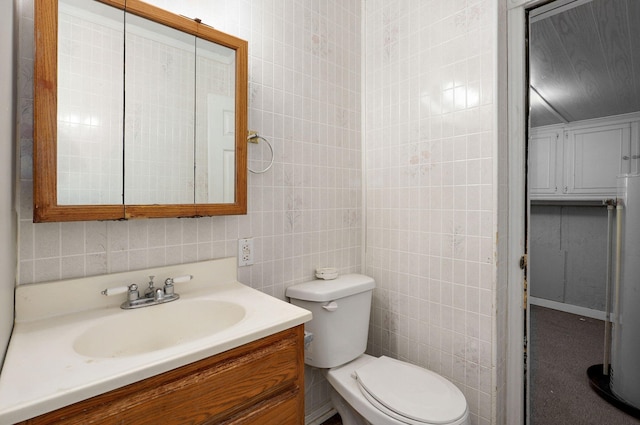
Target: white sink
157, 327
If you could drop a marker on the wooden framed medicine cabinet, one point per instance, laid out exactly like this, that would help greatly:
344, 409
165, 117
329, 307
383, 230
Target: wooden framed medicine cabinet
138, 113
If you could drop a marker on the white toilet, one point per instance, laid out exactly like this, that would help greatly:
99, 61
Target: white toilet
369, 390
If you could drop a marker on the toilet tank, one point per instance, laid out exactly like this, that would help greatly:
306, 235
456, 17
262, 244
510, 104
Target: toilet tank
340, 324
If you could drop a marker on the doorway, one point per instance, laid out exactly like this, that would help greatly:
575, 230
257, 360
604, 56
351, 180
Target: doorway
582, 132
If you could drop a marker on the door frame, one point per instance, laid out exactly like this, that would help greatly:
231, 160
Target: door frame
517, 116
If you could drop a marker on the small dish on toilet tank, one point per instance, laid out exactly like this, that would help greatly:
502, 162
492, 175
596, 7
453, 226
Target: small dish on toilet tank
327, 273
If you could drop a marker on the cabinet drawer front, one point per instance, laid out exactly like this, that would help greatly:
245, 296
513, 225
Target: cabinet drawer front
281, 410
244, 381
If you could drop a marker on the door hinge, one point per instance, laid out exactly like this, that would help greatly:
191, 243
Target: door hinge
523, 262
523, 266
524, 294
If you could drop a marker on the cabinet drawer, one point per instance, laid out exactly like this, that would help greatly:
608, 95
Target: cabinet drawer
261, 378
279, 410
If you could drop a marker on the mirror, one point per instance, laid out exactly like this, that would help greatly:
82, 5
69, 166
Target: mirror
138, 113
159, 113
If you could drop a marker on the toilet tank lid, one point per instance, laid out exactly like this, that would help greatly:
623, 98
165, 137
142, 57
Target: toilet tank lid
328, 290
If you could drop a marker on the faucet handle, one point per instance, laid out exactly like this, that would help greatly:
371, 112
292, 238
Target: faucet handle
168, 284
119, 290
179, 279
114, 291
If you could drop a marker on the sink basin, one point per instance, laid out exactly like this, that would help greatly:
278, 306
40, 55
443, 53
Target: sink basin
156, 327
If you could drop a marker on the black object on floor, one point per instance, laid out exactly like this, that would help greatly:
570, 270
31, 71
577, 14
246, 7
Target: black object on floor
334, 420
599, 382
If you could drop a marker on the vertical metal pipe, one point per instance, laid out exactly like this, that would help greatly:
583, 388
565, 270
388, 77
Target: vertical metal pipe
618, 259
607, 306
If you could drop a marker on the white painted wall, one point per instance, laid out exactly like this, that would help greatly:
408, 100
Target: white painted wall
7, 174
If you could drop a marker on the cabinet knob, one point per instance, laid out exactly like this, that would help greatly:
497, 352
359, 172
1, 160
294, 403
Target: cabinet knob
635, 156
566, 189
626, 157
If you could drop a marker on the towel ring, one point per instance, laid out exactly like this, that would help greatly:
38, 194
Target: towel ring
254, 137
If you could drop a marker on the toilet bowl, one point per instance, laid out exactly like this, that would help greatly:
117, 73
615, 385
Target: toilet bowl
425, 398
365, 389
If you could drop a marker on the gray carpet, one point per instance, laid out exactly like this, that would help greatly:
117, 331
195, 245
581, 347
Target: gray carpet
562, 347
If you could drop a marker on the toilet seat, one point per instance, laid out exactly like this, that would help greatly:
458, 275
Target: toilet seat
409, 393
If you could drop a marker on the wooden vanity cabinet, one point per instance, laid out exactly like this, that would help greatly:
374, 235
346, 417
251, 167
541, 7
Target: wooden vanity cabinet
258, 383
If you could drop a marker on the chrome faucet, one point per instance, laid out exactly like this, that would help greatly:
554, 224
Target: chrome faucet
149, 292
151, 296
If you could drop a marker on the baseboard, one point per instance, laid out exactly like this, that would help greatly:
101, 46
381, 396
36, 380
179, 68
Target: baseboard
568, 308
320, 415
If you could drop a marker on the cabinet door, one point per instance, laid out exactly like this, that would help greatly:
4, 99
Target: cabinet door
545, 157
595, 158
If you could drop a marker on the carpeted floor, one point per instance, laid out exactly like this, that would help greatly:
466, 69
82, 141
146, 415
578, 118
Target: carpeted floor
562, 347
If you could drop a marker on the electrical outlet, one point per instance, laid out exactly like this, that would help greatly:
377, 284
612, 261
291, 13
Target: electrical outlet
245, 252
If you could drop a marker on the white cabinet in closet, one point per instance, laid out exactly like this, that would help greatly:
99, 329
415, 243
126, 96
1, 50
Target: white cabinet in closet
595, 157
545, 159
582, 161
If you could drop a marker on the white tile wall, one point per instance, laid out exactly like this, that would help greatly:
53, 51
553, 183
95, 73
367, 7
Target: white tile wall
304, 71
430, 180
431, 186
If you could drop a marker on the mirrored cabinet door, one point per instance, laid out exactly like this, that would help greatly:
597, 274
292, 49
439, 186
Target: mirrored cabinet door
90, 103
159, 113
215, 123
138, 113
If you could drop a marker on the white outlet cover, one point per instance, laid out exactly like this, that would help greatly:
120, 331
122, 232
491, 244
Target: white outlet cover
245, 252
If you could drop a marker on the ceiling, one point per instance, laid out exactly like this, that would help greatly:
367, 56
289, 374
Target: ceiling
584, 60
